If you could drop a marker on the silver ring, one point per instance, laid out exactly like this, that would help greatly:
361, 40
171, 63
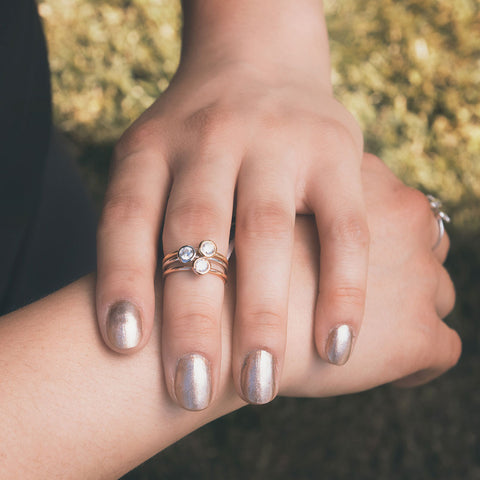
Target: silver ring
440, 217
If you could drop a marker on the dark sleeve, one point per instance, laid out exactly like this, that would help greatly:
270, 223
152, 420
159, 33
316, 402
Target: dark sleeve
25, 124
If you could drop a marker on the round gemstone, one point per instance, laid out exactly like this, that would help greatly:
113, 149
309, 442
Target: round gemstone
201, 266
186, 254
208, 248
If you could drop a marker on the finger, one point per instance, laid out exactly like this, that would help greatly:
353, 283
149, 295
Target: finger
199, 208
336, 198
446, 352
127, 243
445, 295
440, 251
265, 218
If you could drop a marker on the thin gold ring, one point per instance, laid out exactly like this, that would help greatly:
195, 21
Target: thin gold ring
201, 260
173, 260
180, 268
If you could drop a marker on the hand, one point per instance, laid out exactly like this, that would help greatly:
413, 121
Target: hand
49, 392
409, 292
403, 338
252, 115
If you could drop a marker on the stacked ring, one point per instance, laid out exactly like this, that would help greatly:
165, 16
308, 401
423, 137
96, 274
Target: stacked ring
440, 216
202, 260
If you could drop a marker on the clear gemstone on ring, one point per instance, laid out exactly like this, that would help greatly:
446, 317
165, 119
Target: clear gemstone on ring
186, 253
208, 248
201, 266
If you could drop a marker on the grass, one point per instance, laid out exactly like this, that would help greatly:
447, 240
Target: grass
409, 71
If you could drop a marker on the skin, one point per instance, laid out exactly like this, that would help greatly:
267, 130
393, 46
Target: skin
249, 124
79, 410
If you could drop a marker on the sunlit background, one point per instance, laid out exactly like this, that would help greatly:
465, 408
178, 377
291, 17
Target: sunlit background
410, 73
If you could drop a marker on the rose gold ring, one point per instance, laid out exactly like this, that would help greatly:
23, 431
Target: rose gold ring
202, 260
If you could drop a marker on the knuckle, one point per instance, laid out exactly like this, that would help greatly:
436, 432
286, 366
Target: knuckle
336, 136
450, 293
192, 216
121, 209
137, 137
266, 220
428, 265
423, 270
209, 122
451, 302
455, 348
192, 325
130, 278
353, 296
267, 321
421, 351
349, 230
274, 120
429, 269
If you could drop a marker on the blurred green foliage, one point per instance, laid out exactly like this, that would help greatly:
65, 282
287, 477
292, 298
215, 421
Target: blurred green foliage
109, 61
409, 71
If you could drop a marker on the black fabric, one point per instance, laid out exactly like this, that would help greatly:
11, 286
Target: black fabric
25, 106
60, 243
25, 119
47, 229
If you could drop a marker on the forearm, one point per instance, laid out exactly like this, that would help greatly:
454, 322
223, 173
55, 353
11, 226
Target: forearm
292, 35
70, 408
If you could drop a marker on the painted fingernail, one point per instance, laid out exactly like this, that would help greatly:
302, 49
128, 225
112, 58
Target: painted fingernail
339, 344
124, 325
258, 377
193, 386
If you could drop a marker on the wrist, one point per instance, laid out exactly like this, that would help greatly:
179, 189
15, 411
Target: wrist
290, 36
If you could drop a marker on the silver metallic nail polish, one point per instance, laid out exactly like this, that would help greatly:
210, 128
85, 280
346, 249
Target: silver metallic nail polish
193, 385
339, 344
258, 377
124, 325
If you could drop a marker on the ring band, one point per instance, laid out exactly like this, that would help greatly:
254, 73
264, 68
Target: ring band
440, 217
202, 260
174, 260
180, 268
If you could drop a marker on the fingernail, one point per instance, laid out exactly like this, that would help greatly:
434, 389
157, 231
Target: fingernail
124, 325
258, 377
193, 386
339, 344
